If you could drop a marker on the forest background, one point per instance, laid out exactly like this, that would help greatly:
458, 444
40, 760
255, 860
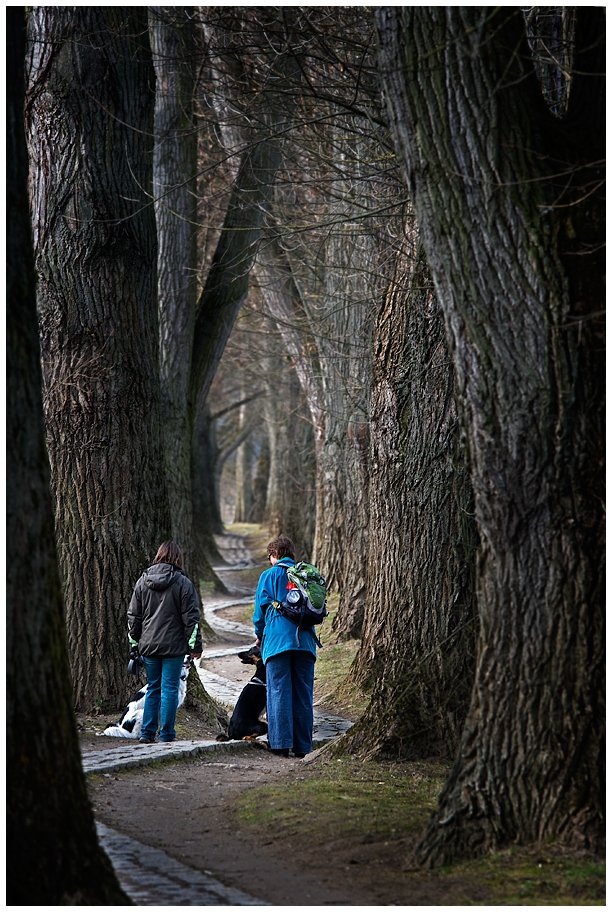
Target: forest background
360, 250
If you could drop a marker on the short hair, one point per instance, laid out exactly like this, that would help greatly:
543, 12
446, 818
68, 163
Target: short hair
169, 553
281, 547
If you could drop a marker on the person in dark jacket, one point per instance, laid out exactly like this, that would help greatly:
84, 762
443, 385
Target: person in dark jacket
164, 624
290, 660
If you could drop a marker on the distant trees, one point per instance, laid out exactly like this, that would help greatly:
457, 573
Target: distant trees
52, 851
510, 208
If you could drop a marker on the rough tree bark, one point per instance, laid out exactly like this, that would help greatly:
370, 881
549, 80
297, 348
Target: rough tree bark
509, 203
174, 178
290, 496
53, 856
89, 117
418, 649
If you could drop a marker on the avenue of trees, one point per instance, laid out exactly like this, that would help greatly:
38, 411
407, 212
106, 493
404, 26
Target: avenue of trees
357, 254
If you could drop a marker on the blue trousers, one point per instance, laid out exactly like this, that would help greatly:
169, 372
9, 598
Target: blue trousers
289, 700
163, 677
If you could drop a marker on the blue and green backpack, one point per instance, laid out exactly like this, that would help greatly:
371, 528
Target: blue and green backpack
305, 603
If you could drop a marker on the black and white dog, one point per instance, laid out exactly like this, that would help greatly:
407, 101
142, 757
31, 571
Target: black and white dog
131, 722
245, 722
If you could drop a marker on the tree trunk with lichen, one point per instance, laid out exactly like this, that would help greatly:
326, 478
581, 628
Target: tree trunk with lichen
509, 202
417, 655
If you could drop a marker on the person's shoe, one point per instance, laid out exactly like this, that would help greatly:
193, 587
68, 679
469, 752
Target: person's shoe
281, 752
146, 739
173, 739
297, 754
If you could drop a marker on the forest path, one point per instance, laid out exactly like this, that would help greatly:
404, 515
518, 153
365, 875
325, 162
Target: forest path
170, 831
176, 837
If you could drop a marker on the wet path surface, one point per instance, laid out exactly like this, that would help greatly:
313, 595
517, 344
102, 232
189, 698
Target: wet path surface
148, 875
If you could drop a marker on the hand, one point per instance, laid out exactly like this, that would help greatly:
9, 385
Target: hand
196, 655
258, 642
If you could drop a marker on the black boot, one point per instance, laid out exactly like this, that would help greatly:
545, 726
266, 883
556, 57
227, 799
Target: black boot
282, 752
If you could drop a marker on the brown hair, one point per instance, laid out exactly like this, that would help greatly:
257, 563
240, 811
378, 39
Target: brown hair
281, 547
169, 553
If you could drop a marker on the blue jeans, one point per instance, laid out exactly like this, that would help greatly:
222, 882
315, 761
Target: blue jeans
289, 700
163, 677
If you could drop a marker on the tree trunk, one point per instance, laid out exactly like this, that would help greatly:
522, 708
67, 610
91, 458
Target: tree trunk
243, 511
207, 522
282, 303
503, 220
418, 647
276, 412
174, 179
89, 127
53, 856
344, 345
260, 482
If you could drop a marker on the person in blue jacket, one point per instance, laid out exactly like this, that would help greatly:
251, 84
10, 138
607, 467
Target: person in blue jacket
289, 655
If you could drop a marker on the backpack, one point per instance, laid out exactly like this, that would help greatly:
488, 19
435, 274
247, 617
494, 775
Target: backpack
305, 603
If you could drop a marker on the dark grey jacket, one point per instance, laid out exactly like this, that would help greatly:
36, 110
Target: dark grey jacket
164, 613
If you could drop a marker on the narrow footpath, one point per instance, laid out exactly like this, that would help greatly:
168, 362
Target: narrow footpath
165, 827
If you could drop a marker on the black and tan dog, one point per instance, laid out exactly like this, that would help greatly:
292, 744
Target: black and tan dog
245, 722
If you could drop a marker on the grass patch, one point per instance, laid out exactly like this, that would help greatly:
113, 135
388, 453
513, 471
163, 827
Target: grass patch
347, 797
535, 877
368, 817
332, 686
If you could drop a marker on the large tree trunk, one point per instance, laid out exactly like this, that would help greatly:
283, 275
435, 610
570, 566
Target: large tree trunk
174, 178
418, 648
260, 482
482, 153
53, 856
89, 128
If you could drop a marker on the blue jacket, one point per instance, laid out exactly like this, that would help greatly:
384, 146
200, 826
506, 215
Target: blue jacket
276, 632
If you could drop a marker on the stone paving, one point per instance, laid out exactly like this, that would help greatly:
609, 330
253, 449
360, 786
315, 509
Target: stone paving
130, 753
152, 878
